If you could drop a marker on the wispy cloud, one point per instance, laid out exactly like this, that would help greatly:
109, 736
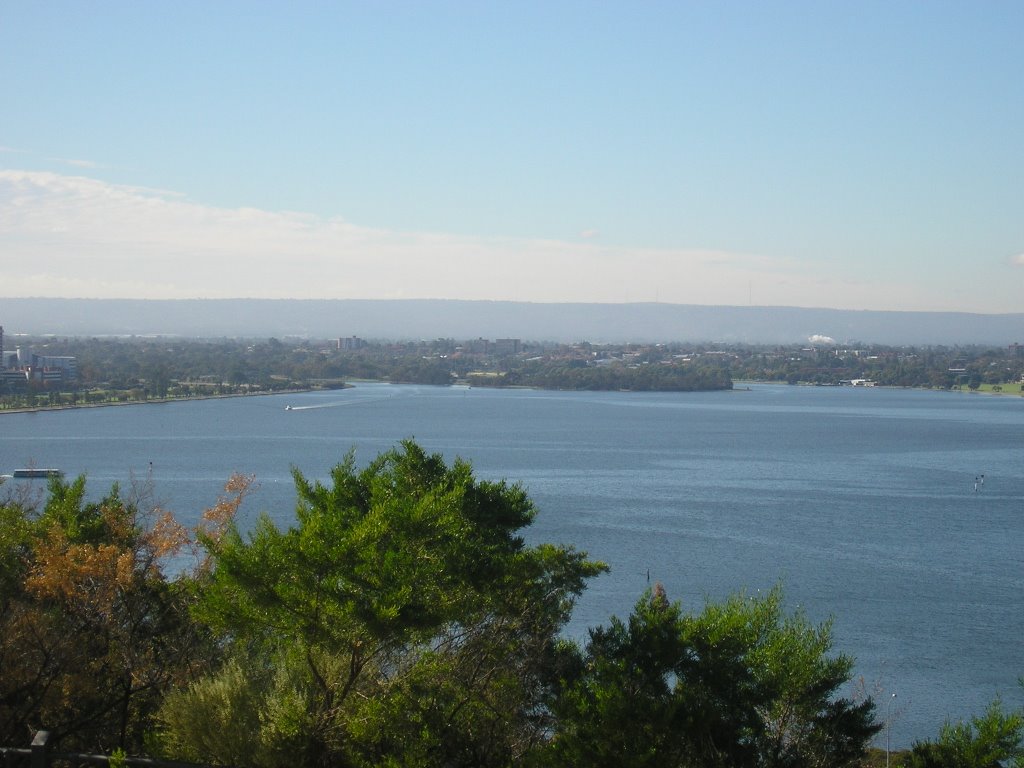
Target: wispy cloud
63, 235
87, 164
73, 162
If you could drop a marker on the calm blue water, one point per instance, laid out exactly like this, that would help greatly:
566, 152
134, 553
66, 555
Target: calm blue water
860, 501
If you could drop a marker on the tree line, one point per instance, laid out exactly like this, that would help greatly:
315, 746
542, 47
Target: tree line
119, 370
401, 620
939, 367
112, 370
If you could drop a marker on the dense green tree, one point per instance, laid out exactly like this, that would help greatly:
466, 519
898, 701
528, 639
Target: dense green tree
401, 620
993, 739
740, 684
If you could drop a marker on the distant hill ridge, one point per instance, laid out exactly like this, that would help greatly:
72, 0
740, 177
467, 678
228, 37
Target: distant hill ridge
436, 318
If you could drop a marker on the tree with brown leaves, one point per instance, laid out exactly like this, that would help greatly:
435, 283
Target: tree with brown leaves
92, 633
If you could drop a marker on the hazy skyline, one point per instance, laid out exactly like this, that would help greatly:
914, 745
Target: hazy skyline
854, 156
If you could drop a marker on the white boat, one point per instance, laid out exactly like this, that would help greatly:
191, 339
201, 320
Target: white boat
37, 473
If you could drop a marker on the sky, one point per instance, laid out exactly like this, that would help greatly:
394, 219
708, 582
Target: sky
851, 155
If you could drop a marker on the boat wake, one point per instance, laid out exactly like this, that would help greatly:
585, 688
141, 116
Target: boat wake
336, 404
318, 406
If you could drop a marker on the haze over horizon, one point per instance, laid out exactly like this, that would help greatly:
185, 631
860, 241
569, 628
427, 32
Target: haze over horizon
803, 154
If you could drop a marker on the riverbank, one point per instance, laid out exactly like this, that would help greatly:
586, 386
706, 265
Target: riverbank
739, 385
1000, 390
151, 401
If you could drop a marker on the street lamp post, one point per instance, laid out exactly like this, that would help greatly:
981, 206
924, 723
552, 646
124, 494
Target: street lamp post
888, 727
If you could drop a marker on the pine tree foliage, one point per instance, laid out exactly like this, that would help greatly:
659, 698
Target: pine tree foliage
739, 684
995, 738
402, 618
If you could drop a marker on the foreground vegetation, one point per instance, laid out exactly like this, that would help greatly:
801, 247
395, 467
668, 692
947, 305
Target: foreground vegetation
401, 620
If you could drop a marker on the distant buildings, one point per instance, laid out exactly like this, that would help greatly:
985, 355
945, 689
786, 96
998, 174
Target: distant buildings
504, 347
22, 367
351, 343
480, 346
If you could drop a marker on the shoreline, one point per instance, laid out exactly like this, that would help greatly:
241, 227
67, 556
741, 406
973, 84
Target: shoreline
164, 400
151, 401
961, 390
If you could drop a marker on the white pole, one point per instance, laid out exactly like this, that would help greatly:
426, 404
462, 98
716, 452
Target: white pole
888, 727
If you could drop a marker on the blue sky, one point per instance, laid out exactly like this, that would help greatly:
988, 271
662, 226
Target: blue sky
854, 155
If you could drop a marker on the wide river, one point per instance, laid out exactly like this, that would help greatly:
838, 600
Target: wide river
866, 504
